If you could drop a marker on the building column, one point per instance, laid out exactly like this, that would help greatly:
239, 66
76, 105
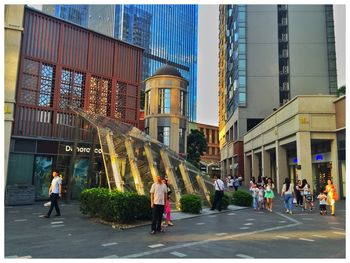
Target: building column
266, 163
304, 156
335, 166
255, 165
281, 166
247, 168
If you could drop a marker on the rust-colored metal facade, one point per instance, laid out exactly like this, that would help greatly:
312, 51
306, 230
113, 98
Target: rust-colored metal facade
63, 64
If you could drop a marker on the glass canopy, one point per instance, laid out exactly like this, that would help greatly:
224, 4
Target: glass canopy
133, 160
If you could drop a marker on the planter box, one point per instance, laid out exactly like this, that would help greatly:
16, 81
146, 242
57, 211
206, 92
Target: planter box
20, 195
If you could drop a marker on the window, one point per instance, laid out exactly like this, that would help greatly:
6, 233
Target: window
71, 89
164, 101
181, 140
100, 92
182, 103
164, 135
148, 102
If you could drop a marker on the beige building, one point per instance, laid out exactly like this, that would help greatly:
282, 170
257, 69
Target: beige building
165, 108
300, 140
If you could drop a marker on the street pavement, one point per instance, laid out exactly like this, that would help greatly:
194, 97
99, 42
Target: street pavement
234, 233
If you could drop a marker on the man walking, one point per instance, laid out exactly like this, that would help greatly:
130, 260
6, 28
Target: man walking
54, 193
219, 193
158, 198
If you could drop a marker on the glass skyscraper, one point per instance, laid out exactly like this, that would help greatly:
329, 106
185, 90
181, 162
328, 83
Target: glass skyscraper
168, 34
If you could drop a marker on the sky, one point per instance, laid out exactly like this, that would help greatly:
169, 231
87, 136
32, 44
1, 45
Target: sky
208, 59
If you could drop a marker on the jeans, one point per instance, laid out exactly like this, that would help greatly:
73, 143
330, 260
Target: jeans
54, 203
255, 202
288, 201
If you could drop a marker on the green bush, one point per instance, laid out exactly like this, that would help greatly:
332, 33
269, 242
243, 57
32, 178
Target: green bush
115, 206
242, 198
190, 203
225, 201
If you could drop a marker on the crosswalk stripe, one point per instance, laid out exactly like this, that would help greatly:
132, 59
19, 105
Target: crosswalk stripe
21, 220
111, 256
57, 222
250, 219
156, 245
243, 256
245, 227
284, 237
319, 236
109, 244
231, 214
178, 254
339, 233
248, 224
306, 239
221, 234
200, 223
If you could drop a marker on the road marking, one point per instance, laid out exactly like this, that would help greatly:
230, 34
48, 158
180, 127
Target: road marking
245, 227
15, 256
212, 216
231, 214
338, 228
250, 219
306, 239
57, 225
215, 239
21, 220
221, 234
61, 218
12, 207
248, 224
319, 236
13, 212
282, 221
334, 223
307, 219
200, 223
156, 245
111, 256
57, 222
339, 233
109, 244
284, 237
178, 254
243, 256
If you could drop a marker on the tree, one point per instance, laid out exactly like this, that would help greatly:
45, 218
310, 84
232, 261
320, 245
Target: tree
341, 91
196, 145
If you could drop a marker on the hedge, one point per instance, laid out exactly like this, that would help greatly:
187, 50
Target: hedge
190, 203
114, 206
242, 198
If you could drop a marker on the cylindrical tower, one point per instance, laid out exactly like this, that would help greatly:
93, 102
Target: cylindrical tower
165, 108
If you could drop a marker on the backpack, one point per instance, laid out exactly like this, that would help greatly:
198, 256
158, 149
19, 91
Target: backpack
335, 194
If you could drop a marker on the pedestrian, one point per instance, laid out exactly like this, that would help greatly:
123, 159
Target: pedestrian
332, 195
219, 193
288, 194
269, 195
55, 191
307, 196
255, 194
252, 181
167, 204
299, 193
261, 197
240, 180
322, 197
235, 182
158, 197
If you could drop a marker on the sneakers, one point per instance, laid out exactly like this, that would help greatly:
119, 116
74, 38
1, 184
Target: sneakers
46, 216
153, 232
287, 211
290, 212
170, 224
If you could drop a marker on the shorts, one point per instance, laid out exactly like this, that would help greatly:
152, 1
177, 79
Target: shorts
323, 208
309, 198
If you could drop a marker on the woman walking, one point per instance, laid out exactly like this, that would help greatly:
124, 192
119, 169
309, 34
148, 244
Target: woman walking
308, 198
269, 195
332, 195
298, 193
287, 193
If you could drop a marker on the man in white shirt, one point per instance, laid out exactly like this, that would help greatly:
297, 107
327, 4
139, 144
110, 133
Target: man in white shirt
55, 193
158, 198
219, 193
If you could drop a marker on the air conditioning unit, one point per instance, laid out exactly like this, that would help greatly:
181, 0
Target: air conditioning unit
285, 86
285, 53
285, 69
284, 21
285, 37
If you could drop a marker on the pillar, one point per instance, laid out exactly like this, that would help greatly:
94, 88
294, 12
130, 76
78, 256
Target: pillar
304, 156
335, 164
247, 168
266, 163
281, 166
204, 187
255, 165
133, 167
186, 178
151, 164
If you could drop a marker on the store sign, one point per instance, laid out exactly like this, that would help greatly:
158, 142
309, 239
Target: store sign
69, 148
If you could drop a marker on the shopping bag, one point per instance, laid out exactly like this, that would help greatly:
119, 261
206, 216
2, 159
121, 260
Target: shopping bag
294, 201
47, 203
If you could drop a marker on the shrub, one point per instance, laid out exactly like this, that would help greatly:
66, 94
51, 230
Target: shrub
115, 206
242, 198
225, 201
190, 203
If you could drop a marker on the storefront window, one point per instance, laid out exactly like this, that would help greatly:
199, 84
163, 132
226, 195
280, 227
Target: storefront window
42, 176
79, 179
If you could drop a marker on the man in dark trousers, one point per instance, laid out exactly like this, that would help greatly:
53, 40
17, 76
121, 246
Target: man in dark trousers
55, 193
158, 198
219, 193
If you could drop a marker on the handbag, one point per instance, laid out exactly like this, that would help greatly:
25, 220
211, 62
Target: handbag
294, 200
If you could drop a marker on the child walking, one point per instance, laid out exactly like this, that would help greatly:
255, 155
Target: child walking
322, 197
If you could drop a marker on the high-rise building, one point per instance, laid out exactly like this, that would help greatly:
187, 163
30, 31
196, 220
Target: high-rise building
268, 55
168, 34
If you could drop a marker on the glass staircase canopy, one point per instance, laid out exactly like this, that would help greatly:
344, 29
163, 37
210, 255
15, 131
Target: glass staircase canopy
133, 160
